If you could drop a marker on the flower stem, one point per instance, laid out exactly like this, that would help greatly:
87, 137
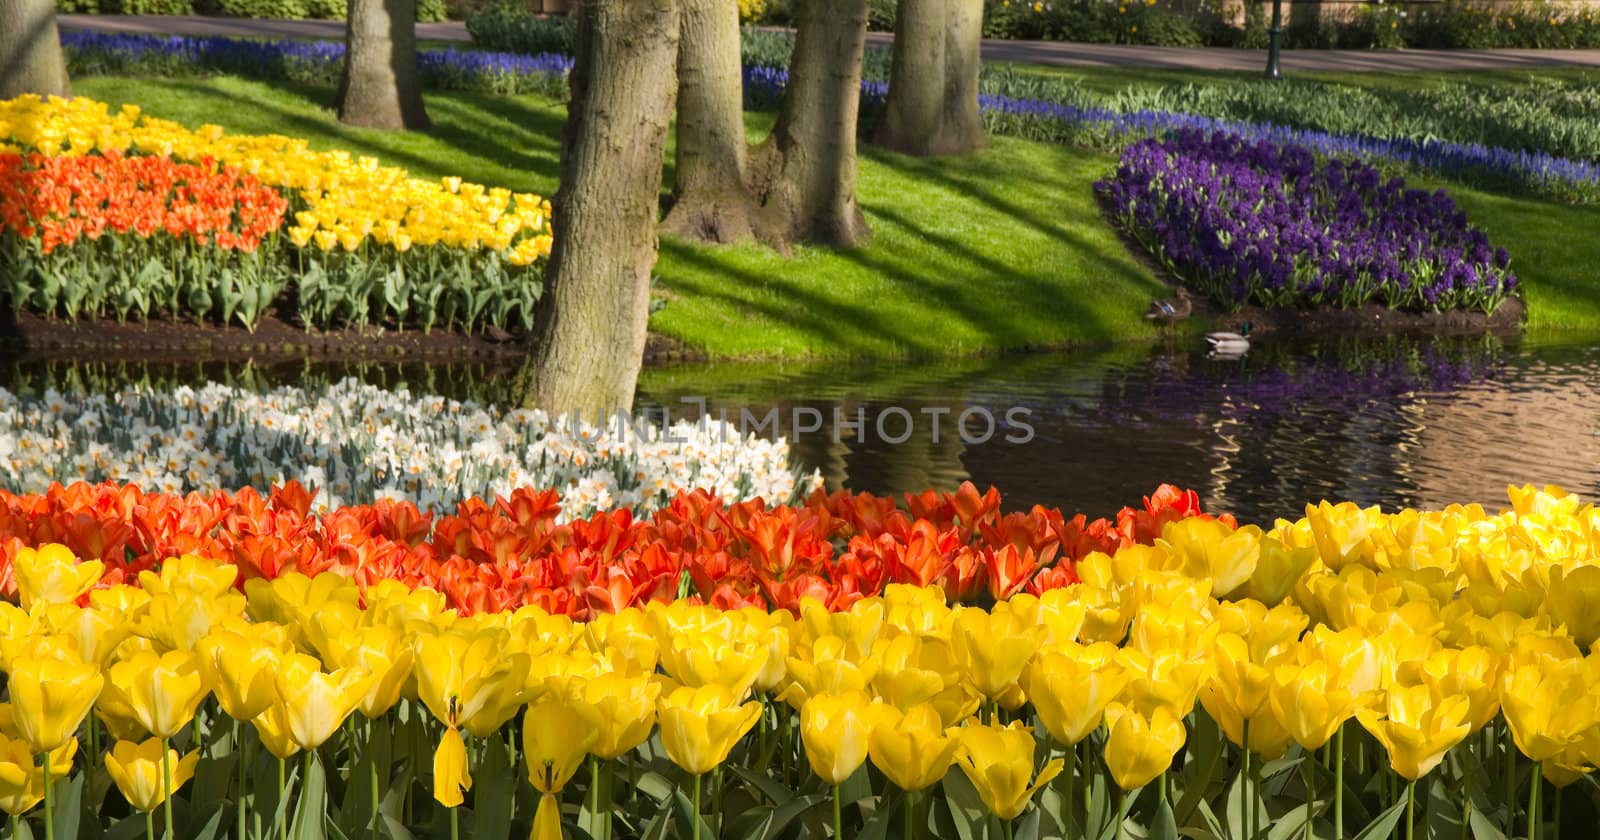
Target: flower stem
911, 815
149, 825
244, 769
372, 778
1510, 782
49, 803
1122, 814
1411, 808
838, 814
1250, 811
166, 788
1533, 804
696, 830
1338, 783
1072, 789
283, 790
455, 823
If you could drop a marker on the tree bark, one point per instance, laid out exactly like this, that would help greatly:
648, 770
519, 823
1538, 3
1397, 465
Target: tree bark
932, 107
30, 50
713, 203
805, 173
590, 332
379, 87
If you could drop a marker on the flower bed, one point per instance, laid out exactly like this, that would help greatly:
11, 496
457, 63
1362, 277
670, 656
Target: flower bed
1255, 222
1416, 667
518, 550
365, 243
360, 443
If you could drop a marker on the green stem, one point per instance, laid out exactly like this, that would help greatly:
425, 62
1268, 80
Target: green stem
1311, 795
716, 802
838, 814
1249, 814
696, 829
1072, 790
455, 823
1533, 804
244, 769
1122, 814
1509, 780
372, 778
1009, 828
1338, 783
1411, 808
911, 815
149, 825
49, 803
594, 791
166, 788
283, 790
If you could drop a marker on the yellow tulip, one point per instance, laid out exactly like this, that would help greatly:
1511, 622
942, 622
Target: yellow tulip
826, 667
1310, 701
699, 726
698, 659
623, 710
912, 670
999, 762
1237, 692
239, 670
1277, 570
1138, 748
96, 632
384, 652
1548, 705
1070, 687
992, 648
1417, 728
835, 728
21, 780
1212, 549
50, 698
914, 749
51, 574
191, 575
162, 690
556, 735
470, 681
315, 702
273, 727
138, 771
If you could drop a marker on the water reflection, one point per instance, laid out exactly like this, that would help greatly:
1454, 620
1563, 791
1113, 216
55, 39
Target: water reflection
1392, 421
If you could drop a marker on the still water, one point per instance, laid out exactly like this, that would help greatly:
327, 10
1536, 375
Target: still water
1387, 421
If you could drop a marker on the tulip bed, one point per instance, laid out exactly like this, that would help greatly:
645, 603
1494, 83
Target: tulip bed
123, 215
1416, 671
1267, 224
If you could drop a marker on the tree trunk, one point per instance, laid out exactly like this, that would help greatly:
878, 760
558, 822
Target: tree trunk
379, 87
590, 332
805, 173
713, 202
932, 107
30, 50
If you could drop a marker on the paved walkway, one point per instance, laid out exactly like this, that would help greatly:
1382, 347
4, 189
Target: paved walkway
1021, 52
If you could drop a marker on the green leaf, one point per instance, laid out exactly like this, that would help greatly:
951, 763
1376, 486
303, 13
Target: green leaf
68, 805
311, 810
1207, 746
213, 827
1029, 830
492, 794
769, 823
774, 791
1243, 799
1385, 822
1165, 826
964, 805
1482, 827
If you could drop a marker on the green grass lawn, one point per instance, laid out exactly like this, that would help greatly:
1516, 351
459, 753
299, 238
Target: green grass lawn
999, 250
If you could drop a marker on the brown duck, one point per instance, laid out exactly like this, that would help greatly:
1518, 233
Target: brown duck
1171, 310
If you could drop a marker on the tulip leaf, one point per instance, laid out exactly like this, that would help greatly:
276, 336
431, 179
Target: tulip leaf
1212, 823
1292, 824
1244, 799
769, 823
1482, 827
213, 776
213, 827
492, 797
68, 805
1443, 810
1385, 822
1207, 746
25, 831
965, 806
775, 792
1029, 829
683, 815
312, 809
1165, 826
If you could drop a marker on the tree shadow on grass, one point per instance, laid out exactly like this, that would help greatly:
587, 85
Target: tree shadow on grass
505, 131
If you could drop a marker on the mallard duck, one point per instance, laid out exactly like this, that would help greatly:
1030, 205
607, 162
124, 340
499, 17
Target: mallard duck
1229, 345
1171, 310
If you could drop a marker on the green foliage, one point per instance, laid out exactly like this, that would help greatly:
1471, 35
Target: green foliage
126, 7
427, 10
512, 29
1090, 21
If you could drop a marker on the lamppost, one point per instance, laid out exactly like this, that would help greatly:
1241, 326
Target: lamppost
1274, 39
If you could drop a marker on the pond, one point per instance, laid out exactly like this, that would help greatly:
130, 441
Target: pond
1390, 421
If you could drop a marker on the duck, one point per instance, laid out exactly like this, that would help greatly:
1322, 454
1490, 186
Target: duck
1229, 345
1171, 310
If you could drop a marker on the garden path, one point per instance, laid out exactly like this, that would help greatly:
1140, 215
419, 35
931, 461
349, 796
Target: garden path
1021, 52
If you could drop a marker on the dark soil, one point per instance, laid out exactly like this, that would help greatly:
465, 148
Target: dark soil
27, 334
1372, 320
